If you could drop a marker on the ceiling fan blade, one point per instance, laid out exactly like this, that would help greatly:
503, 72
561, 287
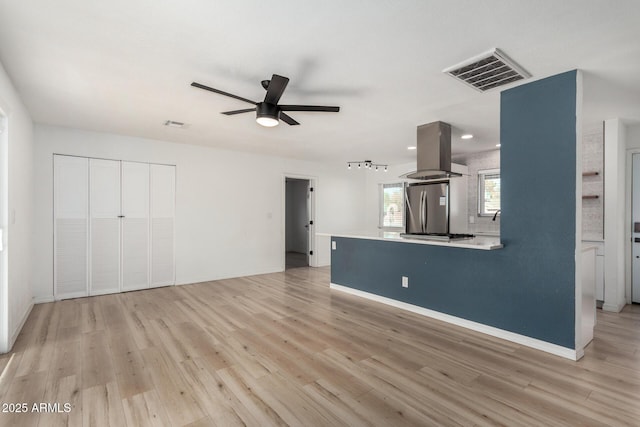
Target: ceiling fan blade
275, 89
231, 113
309, 108
201, 86
287, 119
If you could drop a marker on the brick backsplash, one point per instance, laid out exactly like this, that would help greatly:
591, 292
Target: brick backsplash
476, 162
592, 161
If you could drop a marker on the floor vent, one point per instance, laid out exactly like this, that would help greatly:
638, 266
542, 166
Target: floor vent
487, 71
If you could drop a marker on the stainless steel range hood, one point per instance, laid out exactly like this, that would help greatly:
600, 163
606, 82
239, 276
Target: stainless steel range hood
433, 152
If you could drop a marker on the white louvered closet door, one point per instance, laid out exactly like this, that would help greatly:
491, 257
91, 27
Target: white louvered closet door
104, 209
71, 226
135, 226
163, 184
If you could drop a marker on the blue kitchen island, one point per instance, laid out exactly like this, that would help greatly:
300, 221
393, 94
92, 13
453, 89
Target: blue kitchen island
528, 291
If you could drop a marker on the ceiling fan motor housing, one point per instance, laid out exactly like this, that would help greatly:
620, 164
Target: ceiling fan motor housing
264, 109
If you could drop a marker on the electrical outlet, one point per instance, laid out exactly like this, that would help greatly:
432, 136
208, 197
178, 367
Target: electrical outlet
472, 219
333, 245
405, 282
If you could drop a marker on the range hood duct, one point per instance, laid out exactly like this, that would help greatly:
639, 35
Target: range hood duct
433, 152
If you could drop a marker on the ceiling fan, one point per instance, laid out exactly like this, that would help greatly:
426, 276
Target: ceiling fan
269, 112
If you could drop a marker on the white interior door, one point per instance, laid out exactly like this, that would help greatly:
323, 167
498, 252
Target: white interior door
162, 199
309, 220
635, 229
135, 226
104, 208
71, 222
4, 200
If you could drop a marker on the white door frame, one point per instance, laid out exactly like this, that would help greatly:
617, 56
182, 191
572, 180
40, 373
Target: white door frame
4, 202
628, 236
313, 184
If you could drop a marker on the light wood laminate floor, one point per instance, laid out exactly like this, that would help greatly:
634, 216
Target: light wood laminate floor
283, 349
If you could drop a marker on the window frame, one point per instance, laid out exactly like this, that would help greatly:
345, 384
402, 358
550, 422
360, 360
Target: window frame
481, 185
381, 188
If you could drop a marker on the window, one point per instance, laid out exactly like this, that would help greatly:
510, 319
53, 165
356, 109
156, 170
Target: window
488, 192
392, 205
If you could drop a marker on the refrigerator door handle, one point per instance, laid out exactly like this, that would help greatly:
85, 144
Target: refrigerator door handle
426, 212
423, 195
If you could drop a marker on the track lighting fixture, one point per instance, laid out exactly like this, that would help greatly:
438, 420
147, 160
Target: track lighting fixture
368, 164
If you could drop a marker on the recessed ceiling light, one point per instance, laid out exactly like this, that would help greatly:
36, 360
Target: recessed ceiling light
498, 145
173, 124
467, 136
413, 147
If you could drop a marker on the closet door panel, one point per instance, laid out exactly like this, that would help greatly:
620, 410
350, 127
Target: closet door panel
163, 181
71, 236
135, 226
104, 208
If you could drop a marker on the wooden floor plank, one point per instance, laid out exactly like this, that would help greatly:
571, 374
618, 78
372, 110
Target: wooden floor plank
62, 392
284, 349
177, 397
102, 406
144, 409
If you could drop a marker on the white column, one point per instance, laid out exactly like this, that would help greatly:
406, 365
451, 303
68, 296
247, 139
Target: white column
614, 215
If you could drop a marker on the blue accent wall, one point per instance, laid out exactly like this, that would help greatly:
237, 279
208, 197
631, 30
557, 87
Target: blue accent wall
528, 287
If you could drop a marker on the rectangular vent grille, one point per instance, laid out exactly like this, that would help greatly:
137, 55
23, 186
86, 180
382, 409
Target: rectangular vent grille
487, 71
173, 124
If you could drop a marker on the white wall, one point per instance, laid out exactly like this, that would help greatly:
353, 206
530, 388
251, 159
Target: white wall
633, 136
17, 218
615, 215
229, 205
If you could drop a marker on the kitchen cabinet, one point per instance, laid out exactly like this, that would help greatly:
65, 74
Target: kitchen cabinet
588, 301
599, 245
600, 274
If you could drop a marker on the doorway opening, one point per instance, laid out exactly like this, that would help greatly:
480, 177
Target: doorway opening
635, 228
298, 222
4, 191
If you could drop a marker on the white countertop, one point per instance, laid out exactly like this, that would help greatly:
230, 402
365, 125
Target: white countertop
479, 242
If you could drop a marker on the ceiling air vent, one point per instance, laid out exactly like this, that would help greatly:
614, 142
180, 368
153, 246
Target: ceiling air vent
487, 71
174, 124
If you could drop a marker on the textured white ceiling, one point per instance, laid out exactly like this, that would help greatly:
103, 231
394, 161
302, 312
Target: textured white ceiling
125, 66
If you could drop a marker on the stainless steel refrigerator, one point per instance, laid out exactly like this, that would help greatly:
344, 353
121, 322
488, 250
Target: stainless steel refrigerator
427, 208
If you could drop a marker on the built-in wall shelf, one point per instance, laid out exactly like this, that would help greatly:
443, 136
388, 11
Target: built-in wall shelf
592, 173
591, 196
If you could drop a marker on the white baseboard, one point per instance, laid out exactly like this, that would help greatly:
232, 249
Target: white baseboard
555, 349
191, 281
613, 307
16, 332
43, 299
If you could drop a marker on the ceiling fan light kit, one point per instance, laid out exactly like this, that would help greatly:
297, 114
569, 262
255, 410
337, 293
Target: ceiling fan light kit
268, 112
267, 115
